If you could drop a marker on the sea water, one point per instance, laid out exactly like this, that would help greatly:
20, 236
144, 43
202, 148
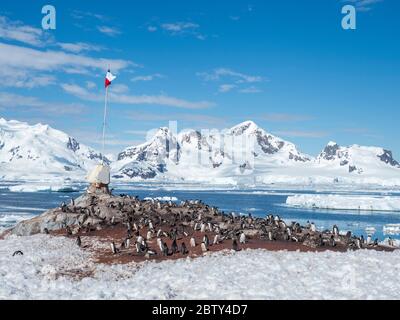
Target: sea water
17, 206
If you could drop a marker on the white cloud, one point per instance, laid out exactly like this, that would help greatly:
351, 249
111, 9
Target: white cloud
109, 31
363, 5
179, 27
10, 100
285, 117
226, 87
147, 77
240, 80
90, 85
251, 89
119, 88
302, 134
79, 47
27, 67
220, 73
164, 100
17, 31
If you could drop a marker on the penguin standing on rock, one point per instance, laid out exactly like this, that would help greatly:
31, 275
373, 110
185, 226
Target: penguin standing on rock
184, 250
114, 249
235, 246
242, 238
204, 247
165, 250
216, 239
332, 241
174, 247
206, 240
192, 242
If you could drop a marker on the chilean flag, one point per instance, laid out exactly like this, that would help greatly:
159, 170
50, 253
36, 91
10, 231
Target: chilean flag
109, 78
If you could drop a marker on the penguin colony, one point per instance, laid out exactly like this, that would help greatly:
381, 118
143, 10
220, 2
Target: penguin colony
149, 225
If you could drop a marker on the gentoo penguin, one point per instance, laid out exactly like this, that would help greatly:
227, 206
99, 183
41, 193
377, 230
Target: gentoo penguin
216, 239
206, 240
165, 249
358, 243
242, 238
203, 247
376, 242
78, 241
313, 228
332, 241
159, 233
159, 243
362, 240
148, 235
210, 226
127, 243
203, 228
139, 239
114, 250
391, 242
151, 226
46, 231
369, 240
270, 236
335, 230
69, 231
235, 245
113, 220
192, 242
138, 247
184, 250
174, 247
18, 253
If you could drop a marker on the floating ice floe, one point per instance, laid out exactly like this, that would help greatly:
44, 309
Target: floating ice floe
391, 229
37, 187
343, 202
162, 199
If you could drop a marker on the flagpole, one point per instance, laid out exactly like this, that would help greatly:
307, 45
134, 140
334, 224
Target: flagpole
104, 124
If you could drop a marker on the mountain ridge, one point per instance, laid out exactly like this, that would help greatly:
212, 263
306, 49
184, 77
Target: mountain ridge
244, 152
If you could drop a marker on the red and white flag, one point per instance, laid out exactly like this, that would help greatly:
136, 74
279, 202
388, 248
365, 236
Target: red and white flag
109, 78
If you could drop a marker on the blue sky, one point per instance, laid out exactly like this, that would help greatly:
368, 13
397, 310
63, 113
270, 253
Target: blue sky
287, 65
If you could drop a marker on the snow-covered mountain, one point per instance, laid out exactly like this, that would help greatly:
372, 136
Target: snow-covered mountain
33, 151
242, 155
356, 159
250, 155
193, 155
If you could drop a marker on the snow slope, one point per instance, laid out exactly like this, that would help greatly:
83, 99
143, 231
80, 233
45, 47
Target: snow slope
45, 269
28, 152
344, 202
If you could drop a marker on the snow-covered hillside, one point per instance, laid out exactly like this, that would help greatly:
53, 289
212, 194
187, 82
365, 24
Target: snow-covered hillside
50, 269
244, 155
32, 152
